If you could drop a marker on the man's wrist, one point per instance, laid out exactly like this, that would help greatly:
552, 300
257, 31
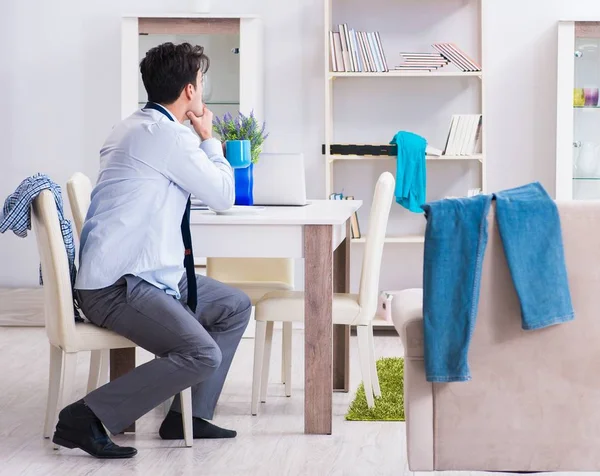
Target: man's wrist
206, 136
212, 147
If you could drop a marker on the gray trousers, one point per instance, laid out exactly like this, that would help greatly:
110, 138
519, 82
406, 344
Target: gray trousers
195, 349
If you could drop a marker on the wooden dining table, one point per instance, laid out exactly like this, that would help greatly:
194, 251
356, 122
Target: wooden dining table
319, 234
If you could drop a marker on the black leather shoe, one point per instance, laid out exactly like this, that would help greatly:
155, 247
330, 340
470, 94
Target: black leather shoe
79, 427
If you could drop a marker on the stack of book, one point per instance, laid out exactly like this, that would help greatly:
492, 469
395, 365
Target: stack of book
421, 62
356, 51
464, 136
456, 56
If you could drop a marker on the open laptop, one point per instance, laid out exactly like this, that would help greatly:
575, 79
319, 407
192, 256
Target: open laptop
279, 180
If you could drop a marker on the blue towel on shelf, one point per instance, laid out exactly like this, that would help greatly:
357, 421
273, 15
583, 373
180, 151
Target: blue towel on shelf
410, 170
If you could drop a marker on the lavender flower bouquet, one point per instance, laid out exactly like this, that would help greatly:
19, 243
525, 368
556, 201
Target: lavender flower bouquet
242, 128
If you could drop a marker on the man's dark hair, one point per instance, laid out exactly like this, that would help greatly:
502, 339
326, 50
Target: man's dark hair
169, 68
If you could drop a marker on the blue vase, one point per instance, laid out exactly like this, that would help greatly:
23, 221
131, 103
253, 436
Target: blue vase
238, 153
244, 183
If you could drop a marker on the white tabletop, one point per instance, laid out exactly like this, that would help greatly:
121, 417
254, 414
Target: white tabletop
317, 212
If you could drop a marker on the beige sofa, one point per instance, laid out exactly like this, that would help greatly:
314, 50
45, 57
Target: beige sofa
533, 403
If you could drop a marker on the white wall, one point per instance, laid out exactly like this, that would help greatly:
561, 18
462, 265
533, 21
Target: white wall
59, 83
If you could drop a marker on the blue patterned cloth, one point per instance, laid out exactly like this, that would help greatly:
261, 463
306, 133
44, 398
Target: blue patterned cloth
16, 216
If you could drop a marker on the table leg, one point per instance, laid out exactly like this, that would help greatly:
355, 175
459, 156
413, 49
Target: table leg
318, 329
122, 361
341, 333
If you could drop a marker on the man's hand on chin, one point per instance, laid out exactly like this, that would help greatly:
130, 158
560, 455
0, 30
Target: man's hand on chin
203, 124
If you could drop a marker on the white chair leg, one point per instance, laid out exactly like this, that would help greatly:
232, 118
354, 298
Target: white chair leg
264, 379
186, 415
373, 361
287, 357
65, 393
362, 333
283, 353
104, 376
259, 350
95, 370
54, 379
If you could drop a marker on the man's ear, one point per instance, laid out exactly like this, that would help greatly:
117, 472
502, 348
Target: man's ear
189, 91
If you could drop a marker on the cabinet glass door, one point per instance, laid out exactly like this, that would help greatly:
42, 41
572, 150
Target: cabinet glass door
578, 111
586, 111
222, 82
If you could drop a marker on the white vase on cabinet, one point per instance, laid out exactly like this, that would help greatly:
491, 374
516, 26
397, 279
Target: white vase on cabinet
587, 163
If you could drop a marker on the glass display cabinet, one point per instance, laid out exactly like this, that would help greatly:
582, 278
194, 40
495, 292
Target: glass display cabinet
578, 111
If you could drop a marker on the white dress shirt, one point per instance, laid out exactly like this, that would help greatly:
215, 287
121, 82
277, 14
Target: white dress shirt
149, 166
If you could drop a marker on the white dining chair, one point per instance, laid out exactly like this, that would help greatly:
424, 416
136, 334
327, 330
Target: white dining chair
348, 309
79, 189
257, 277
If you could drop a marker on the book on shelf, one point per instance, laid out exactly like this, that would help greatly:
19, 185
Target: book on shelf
447, 53
356, 51
464, 135
362, 52
421, 62
457, 56
354, 226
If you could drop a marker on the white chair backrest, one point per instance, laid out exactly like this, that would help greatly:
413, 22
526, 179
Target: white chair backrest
58, 296
251, 270
371, 267
79, 189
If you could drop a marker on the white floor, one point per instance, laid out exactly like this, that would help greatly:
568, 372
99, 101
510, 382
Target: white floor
269, 444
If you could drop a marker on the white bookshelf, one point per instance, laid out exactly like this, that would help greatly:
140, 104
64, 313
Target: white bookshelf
334, 157
457, 21
407, 74
331, 23
475, 79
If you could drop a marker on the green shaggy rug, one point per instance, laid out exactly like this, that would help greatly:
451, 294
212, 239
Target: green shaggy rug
390, 406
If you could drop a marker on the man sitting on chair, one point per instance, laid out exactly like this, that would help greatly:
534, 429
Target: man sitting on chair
131, 277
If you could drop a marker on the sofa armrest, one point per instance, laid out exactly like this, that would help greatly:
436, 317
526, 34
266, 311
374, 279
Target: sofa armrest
407, 315
418, 410
418, 400
413, 339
